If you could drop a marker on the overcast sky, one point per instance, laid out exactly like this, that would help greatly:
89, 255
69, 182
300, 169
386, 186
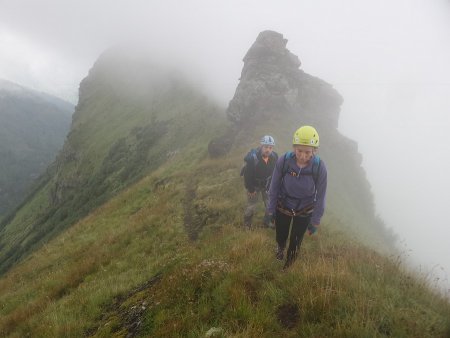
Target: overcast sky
389, 60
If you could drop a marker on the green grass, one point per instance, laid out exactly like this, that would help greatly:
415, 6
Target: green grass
131, 261
114, 141
148, 241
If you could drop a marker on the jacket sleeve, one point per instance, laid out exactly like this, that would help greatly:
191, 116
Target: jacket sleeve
319, 208
249, 176
275, 186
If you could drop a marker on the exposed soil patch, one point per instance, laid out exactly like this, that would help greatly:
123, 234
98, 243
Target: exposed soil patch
126, 317
196, 214
251, 289
192, 223
288, 315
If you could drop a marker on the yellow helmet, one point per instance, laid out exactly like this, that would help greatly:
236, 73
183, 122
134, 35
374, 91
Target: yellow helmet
306, 136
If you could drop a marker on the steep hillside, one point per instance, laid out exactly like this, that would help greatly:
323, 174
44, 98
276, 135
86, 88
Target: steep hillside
166, 256
131, 117
33, 127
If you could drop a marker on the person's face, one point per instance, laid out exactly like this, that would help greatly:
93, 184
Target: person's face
266, 150
304, 153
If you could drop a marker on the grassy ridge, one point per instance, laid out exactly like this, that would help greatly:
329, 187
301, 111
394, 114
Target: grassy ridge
115, 140
156, 247
130, 268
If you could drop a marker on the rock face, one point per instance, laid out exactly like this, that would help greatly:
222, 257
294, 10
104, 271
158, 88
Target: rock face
221, 145
272, 84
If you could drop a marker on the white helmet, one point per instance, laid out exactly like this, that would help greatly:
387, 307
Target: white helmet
267, 140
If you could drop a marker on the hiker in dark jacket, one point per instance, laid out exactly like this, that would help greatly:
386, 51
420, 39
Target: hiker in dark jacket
297, 193
257, 172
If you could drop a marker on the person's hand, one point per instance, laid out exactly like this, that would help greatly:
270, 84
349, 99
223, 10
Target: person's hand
269, 220
312, 228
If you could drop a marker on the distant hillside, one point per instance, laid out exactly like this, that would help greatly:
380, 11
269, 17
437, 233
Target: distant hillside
136, 231
132, 116
33, 127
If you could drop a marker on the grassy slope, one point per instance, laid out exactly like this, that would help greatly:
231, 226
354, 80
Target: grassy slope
116, 138
129, 267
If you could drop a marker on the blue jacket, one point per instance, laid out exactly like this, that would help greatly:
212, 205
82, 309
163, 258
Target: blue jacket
296, 190
257, 175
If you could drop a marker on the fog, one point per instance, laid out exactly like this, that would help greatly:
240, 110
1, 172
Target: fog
389, 60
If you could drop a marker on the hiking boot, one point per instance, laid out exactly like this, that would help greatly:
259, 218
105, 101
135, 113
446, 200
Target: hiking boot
288, 263
280, 253
291, 256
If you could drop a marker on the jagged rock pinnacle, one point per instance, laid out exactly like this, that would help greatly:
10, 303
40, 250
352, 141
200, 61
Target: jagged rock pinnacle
270, 48
272, 84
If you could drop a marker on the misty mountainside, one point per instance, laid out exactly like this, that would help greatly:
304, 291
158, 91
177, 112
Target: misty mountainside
33, 127
137, 228
131, 117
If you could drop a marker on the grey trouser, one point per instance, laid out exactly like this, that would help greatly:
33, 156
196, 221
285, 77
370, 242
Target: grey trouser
252, 204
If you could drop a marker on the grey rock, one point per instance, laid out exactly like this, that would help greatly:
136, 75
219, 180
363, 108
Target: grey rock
272, 84
222, 144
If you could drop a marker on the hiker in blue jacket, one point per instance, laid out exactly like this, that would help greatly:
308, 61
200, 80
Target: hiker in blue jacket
297, 193
259, 165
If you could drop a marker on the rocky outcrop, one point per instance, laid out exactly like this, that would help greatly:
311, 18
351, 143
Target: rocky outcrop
272, 84
221, 145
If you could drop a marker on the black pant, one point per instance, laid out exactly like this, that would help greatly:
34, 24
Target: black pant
299, 226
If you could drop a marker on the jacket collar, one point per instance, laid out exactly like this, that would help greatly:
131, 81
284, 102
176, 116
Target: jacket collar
293, 160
